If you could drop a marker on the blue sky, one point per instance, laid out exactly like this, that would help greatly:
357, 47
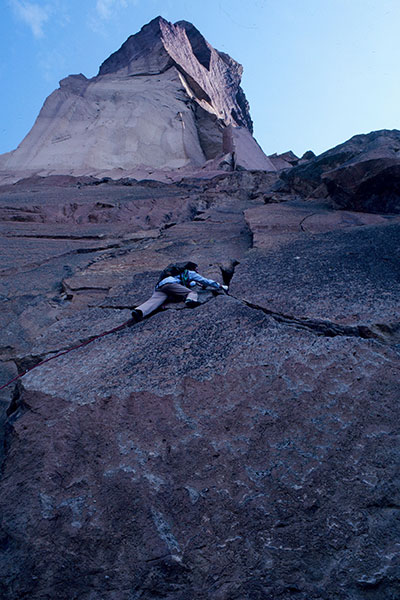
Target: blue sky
316, 72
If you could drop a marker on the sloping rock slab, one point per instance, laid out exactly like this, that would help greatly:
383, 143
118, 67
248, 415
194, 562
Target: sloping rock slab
275, 224
346, 277
210, 454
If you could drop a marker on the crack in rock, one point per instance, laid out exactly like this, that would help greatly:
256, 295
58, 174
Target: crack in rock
381, 332
27, 363
72, 237
112, 307
27, 268
384, 333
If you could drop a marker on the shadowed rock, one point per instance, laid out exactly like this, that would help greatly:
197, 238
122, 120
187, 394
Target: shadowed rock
370, 186
287, 160
361, 174
245, 449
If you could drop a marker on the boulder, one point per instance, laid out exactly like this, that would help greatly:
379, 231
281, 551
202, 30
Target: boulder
369, 185
287, 160
361, 174
246, 153
308, 155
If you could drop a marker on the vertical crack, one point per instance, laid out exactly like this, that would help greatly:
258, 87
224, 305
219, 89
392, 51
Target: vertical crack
16, 401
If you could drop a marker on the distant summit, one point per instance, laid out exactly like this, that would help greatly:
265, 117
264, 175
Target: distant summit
213, 76
165, 100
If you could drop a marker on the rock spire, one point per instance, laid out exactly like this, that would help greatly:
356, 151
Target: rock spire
165, 100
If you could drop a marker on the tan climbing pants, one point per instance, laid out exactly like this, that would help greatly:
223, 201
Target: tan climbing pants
169, 291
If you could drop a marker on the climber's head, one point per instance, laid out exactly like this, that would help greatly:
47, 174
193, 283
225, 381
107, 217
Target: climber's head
191, 266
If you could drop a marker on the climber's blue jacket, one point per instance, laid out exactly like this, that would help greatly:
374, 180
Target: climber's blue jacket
189, 278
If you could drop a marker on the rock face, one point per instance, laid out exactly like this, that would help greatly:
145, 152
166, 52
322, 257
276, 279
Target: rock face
362, 174
369, 185
165, 100
244, 450
284, 161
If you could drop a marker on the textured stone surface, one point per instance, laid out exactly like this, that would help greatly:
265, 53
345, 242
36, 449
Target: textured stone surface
286, 160
372, 185
361, 174
243, 450
246, 449
247, 154
160, 103
190, 457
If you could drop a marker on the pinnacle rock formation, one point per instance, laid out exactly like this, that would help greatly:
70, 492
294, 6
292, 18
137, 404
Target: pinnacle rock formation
165, 100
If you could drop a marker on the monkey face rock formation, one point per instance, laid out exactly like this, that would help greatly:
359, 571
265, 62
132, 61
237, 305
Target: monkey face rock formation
244, 450
165, 100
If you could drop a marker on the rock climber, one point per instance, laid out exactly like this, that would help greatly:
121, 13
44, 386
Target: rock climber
176, 282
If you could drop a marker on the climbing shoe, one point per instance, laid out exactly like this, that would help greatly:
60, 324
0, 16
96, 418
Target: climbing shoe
137, 316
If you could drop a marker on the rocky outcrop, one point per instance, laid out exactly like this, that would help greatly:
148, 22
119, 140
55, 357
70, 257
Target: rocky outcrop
361, 174
287, 160
370, 185
212, 77
245, 449
284, 161
162, 102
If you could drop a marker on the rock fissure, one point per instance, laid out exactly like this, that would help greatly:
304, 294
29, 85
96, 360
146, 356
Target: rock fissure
113, 307
27, 268
55, 237
384, 333
28, 363
301, 224
167, 67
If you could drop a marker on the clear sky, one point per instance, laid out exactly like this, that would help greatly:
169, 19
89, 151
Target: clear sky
316, 72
